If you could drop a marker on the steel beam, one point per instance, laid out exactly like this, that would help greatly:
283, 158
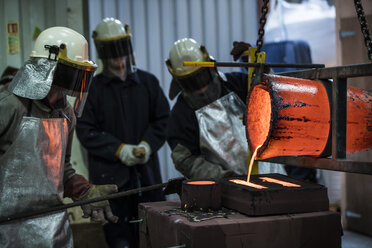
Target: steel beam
349, 71
325, 163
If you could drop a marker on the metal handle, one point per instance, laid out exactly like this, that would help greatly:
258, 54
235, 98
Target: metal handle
178, 246
136, 221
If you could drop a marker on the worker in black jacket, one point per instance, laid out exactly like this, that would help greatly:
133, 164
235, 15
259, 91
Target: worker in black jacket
122, 127
205, 131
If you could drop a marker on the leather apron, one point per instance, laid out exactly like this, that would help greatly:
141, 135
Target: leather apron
31, 178
223, 136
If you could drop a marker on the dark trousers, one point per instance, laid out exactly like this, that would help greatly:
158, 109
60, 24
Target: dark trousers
123, 233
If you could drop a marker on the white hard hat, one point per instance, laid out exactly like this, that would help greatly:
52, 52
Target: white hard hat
112, 40
59, 58
185, 49
110, 29
189, 79
76, 44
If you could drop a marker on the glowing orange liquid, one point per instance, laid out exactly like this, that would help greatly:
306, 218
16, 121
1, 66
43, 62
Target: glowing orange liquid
243, 182
251, 163
247, 183
201, 182
272, 180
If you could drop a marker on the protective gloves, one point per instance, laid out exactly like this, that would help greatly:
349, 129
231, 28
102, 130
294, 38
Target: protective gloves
78, 188
145, 147
139, 154
238, 49
127, 155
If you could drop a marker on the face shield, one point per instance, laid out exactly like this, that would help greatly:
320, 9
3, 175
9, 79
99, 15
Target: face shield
68, 77
117, 55
200, 87
119, 67
73, 78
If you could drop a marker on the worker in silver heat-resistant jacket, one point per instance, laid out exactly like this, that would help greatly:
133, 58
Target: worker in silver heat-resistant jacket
36, 132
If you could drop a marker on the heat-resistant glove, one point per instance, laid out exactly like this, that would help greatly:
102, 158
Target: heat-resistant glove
100, 211
145, 149
127, 155
78, 188
238, 49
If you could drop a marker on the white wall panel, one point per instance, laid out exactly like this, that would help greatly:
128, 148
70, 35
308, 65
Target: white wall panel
181, 19
29, 14
210, 28
125, 11
196, 20
140, 34
236, 20
109, 8
168, 29
249, 20
156, 24
3, 59
153, 42
223, 36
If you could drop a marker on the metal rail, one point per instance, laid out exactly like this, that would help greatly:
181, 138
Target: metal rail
325, 163
245, 64
349, 71
338, 162
172, 186
61, 207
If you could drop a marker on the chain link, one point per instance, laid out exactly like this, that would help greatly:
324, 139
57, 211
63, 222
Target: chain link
364, 27
261, 30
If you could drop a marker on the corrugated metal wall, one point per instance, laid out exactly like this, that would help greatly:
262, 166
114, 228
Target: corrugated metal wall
29, 14
156, 24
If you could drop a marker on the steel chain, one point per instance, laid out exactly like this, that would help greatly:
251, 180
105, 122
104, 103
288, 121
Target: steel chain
364, 27
261, 30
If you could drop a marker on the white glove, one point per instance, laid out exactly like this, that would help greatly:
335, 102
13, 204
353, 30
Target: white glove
146, 146
127, 157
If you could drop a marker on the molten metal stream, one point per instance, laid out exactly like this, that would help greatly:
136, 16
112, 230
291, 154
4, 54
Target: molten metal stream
247, 183
251, 163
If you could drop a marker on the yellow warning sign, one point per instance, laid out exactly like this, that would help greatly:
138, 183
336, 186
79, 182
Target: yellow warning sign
12, 33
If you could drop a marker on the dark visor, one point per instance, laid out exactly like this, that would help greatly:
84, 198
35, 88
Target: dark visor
72, 78
114, 48
196, 80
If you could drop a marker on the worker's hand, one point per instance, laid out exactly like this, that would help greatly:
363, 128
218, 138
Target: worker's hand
146, 151
238, 49
78, 188
127, 155
99, 211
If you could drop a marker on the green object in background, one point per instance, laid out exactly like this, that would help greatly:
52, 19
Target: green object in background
36, 33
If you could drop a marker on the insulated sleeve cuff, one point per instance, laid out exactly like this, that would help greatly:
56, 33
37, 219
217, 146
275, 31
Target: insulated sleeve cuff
76, 187
117, 153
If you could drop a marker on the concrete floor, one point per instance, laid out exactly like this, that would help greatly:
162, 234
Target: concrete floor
355, 240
